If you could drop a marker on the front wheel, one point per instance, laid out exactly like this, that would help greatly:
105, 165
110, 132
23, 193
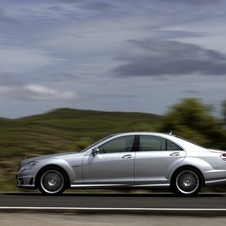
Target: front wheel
186, 182
52, 181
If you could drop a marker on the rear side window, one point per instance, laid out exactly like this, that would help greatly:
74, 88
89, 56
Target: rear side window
172, 146
155, 143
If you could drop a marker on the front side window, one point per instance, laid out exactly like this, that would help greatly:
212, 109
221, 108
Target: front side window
154, 143
119, 144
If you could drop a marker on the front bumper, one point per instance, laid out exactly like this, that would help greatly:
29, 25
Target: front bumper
25, 181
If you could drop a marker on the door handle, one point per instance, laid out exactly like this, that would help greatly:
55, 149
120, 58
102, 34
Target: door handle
175, 154
127, 157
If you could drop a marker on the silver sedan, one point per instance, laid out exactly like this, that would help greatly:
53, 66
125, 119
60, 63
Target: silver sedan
128, 160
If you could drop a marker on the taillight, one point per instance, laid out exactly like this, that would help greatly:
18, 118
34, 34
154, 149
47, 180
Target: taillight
223, 156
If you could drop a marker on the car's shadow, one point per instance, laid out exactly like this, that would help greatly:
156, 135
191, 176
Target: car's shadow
116, 194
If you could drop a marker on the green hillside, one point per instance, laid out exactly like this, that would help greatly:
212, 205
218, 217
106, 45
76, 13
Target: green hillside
61, 130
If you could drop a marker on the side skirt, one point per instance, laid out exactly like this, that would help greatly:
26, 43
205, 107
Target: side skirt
120, 186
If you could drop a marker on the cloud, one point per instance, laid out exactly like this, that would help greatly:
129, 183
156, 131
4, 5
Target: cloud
1, 12
197, 2
23, 59
5, 91
63, 76
34, 92
38, 92
7, 80
193, 92
97, 6
154, 58
172, 34
5, 20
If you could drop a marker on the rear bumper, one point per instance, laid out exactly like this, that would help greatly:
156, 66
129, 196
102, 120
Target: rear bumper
215, 182
215, 177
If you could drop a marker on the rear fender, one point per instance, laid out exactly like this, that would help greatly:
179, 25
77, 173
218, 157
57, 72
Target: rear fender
196, 163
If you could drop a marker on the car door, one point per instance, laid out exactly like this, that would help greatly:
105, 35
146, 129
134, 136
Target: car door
155, 158
113, 164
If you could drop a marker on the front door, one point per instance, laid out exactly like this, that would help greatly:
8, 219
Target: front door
114, 164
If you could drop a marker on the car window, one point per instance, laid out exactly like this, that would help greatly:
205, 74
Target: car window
96, 143
119, 144
172, 146
155, 143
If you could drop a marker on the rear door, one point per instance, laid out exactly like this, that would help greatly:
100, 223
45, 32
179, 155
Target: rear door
155, 158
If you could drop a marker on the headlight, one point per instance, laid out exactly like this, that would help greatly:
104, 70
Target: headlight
28, 165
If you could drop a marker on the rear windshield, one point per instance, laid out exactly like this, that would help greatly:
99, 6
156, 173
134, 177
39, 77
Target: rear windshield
187, 140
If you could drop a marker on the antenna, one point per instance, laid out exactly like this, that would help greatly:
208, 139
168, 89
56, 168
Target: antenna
171, 132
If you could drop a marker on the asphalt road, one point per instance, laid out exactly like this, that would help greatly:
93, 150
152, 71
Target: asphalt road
34, 219
211, 201
116, 200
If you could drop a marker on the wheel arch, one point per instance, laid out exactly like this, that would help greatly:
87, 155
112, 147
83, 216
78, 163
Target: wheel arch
52, 166
191, 167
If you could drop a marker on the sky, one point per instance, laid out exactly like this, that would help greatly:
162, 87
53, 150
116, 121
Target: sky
110, 55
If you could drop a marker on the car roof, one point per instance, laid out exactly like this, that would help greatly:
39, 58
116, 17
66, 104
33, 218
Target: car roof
179, 140
144, 133
164, 135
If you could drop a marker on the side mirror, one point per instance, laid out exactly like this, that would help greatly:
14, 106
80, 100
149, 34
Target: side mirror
95, 151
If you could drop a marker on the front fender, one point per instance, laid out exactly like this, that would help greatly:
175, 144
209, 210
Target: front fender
58, 163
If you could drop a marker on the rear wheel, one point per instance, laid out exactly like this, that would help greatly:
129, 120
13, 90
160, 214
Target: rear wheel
52, 181
186, 182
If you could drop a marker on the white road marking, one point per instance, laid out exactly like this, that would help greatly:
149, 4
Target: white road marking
114, 209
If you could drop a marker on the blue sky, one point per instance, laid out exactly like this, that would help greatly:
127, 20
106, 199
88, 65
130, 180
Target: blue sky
111, 55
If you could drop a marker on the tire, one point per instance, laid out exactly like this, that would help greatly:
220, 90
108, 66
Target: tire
186, 182
52, 181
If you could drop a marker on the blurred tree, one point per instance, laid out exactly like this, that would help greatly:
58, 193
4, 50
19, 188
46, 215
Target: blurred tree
224, 112
193, 120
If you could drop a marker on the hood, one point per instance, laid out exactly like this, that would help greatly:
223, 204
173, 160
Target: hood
61, 155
